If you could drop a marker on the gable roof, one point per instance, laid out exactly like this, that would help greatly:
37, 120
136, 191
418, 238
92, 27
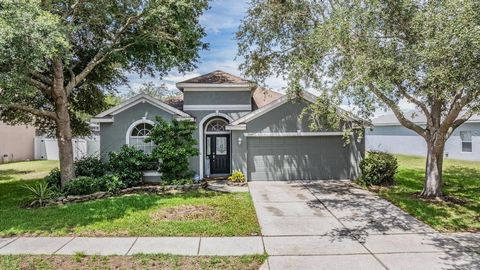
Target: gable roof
138, 99
218, 77
282, 100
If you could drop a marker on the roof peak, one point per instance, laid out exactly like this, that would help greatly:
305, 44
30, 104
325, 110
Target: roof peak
215, 77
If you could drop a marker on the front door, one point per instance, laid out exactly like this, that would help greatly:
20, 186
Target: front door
218, 152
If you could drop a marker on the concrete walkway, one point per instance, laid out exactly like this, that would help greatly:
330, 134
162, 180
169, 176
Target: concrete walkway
334, 225
191, 246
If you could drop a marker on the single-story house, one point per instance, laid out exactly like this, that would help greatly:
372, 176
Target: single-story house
16, 142
240, 126
386, 134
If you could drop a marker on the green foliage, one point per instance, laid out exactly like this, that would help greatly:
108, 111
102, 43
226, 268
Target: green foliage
174, 145
128, 164
40, 193
237, 177
82, 185
378, 168
53, 178
110, 183
90, 166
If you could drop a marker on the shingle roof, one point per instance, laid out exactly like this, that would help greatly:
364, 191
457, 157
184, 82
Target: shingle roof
262, 96
414, 116
217, 77
175, 101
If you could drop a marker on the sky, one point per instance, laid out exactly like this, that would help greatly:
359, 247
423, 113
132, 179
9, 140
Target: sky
221, 22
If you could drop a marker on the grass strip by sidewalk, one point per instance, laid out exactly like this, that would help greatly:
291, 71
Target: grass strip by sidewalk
82, 262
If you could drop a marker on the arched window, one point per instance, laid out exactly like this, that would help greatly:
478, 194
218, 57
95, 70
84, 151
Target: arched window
216, 125
138, 132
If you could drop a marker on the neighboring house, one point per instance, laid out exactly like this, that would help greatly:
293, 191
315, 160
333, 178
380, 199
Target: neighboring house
240, 126
388, 135
16, 142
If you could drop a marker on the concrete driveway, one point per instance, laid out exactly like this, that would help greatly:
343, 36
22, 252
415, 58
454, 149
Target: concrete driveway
334, 225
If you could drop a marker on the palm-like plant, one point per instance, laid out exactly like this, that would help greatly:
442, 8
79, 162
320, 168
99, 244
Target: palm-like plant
39, 193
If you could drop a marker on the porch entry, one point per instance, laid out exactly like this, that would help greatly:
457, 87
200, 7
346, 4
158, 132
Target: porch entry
217, 147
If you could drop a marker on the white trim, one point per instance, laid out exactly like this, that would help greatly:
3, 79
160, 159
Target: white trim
294, 134
102, 120
237, 127
201, 135
234, 107
133, 125
139, 99
217, 89
181, 85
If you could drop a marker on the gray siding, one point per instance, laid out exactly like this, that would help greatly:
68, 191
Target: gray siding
112, 135
217, 97
281, 119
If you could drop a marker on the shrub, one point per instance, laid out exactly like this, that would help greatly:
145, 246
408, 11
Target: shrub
90, 166
378, 168
40, 193
174, 145
53, 179
110, 183
82, 185
128, 164
85, 185
186, 181
237, 177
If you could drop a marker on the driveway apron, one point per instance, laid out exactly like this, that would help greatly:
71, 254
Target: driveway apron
336, 225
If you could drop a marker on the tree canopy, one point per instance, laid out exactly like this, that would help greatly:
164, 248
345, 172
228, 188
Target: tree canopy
58, 58
374, 53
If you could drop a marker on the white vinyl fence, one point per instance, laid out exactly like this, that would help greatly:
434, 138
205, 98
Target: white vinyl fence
47, 148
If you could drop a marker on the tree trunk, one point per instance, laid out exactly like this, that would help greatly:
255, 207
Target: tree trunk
64, 130
65, 147
432, 187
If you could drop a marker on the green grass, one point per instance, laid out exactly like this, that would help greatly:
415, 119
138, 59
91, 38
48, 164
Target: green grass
132, 262
135, 215
461, 180
26, 170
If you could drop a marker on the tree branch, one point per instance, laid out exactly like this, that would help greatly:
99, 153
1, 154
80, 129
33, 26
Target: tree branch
102, 54
397, 111
33, 111
42, 78
413, 100
45, 89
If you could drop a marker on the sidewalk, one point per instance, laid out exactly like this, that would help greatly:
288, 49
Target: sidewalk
192, 246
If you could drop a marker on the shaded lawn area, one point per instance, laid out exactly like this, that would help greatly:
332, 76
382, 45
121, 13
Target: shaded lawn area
191, 214
131, 262
461, 180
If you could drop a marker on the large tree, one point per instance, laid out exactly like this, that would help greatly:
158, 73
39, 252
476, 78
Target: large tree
376, 53
58, 58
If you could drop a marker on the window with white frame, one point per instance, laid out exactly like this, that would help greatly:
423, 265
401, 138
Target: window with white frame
138, 135
216, 125
466, 137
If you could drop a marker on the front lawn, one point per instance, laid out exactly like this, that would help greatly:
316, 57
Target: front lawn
191, 214
131, 262
461, 180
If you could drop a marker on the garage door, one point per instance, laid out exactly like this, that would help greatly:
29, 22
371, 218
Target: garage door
298, 158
